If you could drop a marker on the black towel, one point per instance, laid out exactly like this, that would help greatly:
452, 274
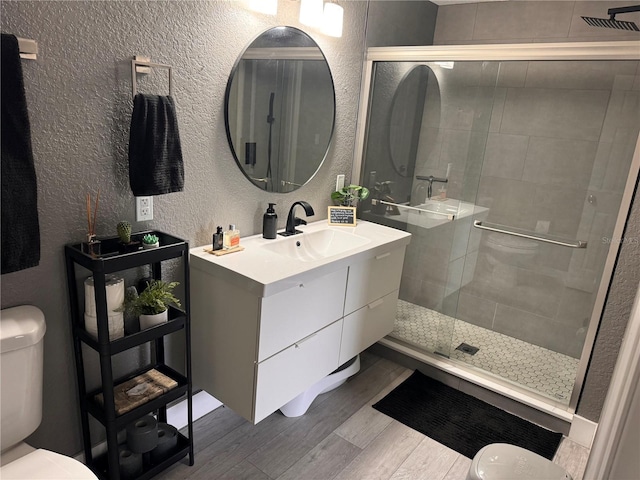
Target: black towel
20, 228
155, 154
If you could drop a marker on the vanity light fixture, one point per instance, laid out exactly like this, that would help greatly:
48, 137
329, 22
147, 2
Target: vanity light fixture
332, 19
311, 12
268, 7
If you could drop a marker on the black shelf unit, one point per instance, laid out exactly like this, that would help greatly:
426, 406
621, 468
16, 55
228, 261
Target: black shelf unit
111, 260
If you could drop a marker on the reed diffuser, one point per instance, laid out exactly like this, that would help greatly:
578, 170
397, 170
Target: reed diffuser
92, 245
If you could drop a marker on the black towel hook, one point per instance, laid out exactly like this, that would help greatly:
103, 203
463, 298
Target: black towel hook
135, 63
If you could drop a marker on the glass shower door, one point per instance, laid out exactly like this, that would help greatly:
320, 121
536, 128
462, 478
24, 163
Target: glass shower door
555, 165
427, 131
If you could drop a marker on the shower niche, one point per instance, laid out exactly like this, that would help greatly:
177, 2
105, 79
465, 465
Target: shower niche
510, 174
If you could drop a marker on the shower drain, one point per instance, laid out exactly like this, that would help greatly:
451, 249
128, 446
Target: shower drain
466, 348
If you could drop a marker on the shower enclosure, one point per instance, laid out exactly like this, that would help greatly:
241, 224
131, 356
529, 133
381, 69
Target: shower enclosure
513, 166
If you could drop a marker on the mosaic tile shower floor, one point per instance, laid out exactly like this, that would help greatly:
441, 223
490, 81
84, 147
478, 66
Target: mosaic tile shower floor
544, 371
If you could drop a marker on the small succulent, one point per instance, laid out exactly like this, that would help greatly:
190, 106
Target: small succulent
150, 239
124, 232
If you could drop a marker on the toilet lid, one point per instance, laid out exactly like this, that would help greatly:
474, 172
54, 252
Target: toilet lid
512, 241
502, 461
46, 465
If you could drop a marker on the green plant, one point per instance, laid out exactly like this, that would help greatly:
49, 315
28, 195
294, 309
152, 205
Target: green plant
152, 300
150, 239
348, 196
124, 232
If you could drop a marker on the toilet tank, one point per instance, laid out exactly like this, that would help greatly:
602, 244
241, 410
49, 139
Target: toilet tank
21, 362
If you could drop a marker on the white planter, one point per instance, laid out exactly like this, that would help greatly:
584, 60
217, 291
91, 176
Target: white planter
148, 321
146, 246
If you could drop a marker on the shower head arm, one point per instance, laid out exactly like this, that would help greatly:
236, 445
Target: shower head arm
614, 11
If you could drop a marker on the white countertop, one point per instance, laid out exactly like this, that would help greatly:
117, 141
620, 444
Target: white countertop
265, 273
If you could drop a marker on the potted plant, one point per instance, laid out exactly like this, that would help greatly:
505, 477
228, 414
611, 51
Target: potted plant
349, 196
150, 241
124, 234
151, 305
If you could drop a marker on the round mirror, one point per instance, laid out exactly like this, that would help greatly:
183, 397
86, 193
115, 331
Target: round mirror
280, 109
407, 113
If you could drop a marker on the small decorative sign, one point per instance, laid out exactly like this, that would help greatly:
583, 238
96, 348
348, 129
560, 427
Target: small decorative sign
342, 216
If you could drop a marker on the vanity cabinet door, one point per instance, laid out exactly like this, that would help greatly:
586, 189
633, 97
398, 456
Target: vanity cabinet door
284, 376
372, 279
366, 326
293, 314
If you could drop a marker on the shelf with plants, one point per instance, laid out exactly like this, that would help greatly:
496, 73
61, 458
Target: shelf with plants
110, 255
175, 323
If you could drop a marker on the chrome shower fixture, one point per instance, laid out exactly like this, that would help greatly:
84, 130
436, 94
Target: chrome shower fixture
611, 22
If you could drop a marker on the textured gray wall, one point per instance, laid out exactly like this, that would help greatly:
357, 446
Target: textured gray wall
79, 98
559, 21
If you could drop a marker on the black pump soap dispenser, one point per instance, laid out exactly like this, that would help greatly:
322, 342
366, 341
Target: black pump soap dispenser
269, 222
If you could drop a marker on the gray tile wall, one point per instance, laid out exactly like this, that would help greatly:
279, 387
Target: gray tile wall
559, 21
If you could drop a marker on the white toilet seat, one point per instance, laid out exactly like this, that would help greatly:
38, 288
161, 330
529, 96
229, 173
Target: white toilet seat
46, 465
502, 461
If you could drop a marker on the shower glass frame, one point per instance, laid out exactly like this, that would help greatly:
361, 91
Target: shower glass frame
625, 50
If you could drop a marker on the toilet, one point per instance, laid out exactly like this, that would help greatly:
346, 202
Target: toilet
507, 253
21, 359
502, 461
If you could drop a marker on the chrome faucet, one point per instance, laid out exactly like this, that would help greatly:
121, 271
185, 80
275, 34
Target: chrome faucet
431, 179
293, 221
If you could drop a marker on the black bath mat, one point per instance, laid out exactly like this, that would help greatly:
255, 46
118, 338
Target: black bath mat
460, 421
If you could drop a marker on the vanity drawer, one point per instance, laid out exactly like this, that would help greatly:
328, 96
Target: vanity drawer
366, 326
373, 278
293, 314
287, 374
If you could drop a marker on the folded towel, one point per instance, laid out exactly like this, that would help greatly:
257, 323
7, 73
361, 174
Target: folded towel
155, 154
20, 228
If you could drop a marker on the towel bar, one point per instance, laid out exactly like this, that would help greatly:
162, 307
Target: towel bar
134, 63
509, 231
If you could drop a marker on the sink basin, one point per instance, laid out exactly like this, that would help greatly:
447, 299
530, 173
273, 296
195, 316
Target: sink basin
317, 245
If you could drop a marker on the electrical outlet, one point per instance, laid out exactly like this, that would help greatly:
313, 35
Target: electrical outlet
339, 182
144, 209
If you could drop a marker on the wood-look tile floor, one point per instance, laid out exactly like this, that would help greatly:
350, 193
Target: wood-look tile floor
340, 437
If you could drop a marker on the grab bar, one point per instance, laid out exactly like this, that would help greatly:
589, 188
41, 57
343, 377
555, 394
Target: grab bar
450, 216
497, 228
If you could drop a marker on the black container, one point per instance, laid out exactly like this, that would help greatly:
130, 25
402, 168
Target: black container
217, 239
269, 223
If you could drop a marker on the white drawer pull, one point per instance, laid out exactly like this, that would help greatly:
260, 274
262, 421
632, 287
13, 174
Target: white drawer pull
380, 257
375, 304
304, 340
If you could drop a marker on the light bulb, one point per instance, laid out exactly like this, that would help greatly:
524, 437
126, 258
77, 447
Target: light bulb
332, 20
311, 12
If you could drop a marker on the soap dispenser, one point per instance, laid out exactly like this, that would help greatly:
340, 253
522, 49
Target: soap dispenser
269, 222
217, 239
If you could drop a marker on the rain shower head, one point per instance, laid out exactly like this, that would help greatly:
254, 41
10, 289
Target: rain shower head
611, 22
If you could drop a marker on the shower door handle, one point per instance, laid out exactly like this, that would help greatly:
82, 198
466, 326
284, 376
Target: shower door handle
506, 230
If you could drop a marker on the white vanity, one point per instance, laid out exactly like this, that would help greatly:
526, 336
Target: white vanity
271, 321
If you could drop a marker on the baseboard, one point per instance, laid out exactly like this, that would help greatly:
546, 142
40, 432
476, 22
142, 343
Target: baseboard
582, 431
202, 404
